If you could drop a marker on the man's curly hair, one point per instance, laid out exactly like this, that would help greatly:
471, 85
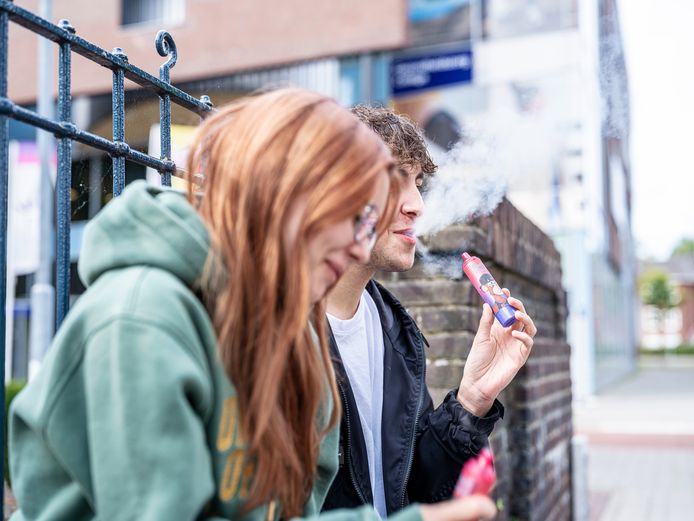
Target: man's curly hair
401, 134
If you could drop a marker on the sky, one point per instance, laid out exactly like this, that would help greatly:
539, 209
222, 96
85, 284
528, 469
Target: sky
659, 48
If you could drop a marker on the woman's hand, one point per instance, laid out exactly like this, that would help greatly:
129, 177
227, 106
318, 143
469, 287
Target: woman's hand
469, 508
497, 354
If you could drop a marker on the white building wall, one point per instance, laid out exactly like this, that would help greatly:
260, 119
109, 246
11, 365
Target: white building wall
558, 181
660, 329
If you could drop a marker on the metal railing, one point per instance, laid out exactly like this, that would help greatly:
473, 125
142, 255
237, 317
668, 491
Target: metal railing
64, 35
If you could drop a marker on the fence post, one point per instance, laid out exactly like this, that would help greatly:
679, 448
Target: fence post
118, 97
165, 47
63, 186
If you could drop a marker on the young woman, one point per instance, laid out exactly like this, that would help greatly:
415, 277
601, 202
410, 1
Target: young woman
192, 380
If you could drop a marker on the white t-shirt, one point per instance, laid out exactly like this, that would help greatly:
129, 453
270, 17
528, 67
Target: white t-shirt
360, 342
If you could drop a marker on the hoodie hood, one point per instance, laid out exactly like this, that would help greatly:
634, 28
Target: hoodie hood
145, 226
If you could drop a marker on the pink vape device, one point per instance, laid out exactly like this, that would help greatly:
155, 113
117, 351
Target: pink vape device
477, 476
488, 289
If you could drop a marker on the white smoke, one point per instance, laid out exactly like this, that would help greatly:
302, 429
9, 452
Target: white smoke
466, 185
516, 143
449, 265
469, 182
511, 145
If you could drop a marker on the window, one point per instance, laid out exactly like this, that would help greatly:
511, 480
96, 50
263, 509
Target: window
152, 11
509, 18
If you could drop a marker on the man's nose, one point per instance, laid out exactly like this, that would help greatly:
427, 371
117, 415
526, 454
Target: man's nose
412, 202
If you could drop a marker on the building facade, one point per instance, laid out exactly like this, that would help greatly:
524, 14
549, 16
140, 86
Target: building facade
224, 50
547, 95
544, 81
569, 84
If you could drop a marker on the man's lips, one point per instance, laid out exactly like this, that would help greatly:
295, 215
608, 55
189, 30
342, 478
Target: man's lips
408, 234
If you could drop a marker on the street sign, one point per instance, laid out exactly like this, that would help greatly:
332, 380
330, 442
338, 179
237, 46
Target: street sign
413, 74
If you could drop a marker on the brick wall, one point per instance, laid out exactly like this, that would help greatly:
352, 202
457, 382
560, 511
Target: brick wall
217, 38
532, 444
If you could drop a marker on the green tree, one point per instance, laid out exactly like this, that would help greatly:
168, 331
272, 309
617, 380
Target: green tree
685, 247
657, 290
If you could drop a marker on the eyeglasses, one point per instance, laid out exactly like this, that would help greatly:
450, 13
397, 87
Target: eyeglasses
365, 225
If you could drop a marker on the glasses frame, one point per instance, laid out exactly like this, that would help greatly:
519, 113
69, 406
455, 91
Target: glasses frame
365, 225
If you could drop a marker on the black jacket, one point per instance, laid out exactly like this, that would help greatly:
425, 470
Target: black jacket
423, 448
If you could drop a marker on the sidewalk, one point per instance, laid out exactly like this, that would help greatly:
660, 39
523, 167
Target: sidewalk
641, 444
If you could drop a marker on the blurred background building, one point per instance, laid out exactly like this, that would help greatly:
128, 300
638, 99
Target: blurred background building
546, 83
545, 78
667, 300
225, 49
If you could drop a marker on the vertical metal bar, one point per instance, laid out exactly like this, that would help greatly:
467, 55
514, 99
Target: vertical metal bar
165, 47
63, 189
4, 179
119, 124
165, 133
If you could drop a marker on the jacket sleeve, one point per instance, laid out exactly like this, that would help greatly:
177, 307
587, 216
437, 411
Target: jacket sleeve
447, 437
147, 397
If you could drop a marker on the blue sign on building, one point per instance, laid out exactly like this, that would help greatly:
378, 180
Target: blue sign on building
410, 75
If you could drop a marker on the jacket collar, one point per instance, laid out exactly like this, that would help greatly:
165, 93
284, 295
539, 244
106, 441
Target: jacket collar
394, 317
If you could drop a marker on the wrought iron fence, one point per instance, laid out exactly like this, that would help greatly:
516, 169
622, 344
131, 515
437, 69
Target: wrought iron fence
64, 35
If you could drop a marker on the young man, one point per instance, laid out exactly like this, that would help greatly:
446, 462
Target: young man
395, 448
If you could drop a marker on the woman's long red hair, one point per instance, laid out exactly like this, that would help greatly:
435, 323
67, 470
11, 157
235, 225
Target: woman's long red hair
256, 157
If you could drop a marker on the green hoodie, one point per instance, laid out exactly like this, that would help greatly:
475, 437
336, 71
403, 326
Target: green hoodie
131, 415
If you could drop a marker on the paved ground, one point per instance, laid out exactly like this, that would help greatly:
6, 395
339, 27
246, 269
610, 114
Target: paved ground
641, 444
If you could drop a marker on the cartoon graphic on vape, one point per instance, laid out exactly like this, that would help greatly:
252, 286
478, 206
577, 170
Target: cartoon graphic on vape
492, 293
488, 289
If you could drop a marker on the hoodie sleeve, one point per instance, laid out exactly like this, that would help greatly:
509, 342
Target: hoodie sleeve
448, 436
147, 398
147, 402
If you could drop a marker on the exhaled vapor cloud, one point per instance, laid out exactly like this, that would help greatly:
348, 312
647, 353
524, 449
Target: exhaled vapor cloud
465, 186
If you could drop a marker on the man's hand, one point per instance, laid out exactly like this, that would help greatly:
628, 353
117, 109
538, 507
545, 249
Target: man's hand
497, 354
470, 508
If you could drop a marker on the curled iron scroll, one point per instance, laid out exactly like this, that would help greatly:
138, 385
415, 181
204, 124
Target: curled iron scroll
166, 47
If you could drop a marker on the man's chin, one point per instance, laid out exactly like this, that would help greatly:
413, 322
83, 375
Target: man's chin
392, 259
393, 265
